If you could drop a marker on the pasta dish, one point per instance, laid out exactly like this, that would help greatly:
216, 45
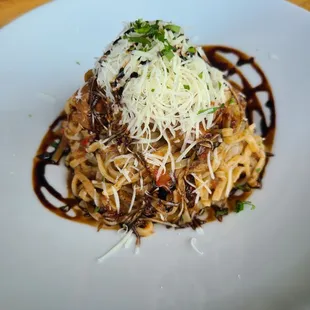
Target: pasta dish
157, 135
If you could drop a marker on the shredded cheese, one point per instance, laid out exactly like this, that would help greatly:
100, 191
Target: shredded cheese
123, 231
202, 184
104, 187
137, 250
193, 244
129, 242
118, 246
200, 231
166, 94
229, 182
133, 198
210, 166
183, 154
141, 182
189, 183
197, 196
116, 198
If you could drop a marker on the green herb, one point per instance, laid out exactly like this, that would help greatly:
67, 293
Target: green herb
97, 209
145, 29
168, 54
173, 28
232, 101
192, 50
143, 40
148, 32
200, 75
208, 87
221, 212
244, 187
137, 23
240, 205
55, 144
211, 110
77, 62
160, 36
29, 115
257, 170
187, 87
153, 89
220, 85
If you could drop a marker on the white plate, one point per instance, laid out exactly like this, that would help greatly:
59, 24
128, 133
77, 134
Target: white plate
253, 260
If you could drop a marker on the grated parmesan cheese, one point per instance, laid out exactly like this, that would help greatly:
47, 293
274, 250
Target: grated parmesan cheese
202, 184
166, 94
116, 198
229, 182
200, 231
133, 198
193, 244
210, 166
117, 247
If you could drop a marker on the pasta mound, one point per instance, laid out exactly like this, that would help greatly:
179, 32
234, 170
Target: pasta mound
118, 183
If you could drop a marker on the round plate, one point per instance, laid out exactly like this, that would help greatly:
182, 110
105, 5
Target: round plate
253, 260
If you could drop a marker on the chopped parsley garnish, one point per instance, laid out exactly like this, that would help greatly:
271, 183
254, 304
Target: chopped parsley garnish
137, 23
232, 101
97, 209
244, 187
55, 144
160, 36
152, 90
221, 212
147, 32
29, 115
257, 170
173, 28
192, 50
186, 87
145, 29
200, 75
77, 62
220, 85
143, 40
241, 204
211, 110
167, 52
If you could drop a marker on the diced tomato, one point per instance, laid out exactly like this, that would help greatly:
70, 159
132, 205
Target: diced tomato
85, 141
203, 155
213, 183
163, 179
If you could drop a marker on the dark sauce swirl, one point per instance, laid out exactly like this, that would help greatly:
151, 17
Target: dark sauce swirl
216, 56
40, 182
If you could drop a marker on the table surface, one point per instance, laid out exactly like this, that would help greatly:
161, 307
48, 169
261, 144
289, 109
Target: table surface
10, 9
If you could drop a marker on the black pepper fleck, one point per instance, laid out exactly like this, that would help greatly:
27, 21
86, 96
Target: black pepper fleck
134, 75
